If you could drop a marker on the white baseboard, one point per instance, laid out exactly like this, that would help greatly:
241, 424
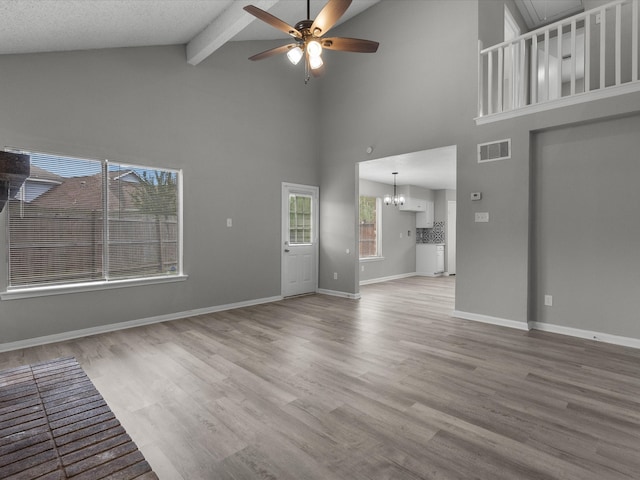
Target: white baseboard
386, 279
548, 327
577, 332
335, 293
503, 322
85, 332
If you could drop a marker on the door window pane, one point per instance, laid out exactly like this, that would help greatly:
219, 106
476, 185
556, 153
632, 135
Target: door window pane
300, 219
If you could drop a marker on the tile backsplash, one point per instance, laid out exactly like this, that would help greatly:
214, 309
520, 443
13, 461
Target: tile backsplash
431, 235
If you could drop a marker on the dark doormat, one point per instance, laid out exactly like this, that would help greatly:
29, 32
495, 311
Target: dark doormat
54, 424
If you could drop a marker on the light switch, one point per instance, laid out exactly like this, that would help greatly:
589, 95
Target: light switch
229, 222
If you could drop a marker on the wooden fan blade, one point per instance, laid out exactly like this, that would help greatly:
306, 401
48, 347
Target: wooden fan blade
272, 51
328, 16
350, 45
273, 21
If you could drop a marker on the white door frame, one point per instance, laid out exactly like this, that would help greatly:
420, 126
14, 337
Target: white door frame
314, 191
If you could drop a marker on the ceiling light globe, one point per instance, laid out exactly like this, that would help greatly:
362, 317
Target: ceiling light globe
315, 62
314, 49
295, 54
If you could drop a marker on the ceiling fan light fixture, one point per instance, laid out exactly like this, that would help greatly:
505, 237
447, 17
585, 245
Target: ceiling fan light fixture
315, 62
294, 55
308, 35
314, 49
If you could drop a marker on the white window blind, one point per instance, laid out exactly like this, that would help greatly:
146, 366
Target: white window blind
69, 209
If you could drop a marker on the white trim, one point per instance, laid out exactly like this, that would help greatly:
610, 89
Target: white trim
587, 334
386, 279
577, 99
370, 259
85, 332
503, 322
45, 291
335, 293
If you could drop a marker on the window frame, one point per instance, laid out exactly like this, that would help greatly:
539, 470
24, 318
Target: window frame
28, 291
379, 255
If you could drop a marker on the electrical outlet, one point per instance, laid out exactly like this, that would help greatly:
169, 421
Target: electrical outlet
548, 300
335, 275
482, 217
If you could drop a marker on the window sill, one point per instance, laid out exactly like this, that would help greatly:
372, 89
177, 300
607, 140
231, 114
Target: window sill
371, 259
44, 291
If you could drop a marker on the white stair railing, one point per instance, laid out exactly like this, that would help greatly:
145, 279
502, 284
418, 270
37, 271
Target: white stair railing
580, 55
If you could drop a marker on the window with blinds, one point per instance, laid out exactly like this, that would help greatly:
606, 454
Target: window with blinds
80, 220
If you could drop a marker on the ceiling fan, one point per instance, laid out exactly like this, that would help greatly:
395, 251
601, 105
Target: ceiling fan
308, 35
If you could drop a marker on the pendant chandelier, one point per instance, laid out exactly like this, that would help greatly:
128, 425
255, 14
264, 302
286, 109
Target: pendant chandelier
394, 199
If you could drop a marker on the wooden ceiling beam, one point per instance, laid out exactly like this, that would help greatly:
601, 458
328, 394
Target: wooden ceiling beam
222, 29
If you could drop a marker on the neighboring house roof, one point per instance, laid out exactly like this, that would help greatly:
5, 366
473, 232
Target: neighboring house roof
86, 192
42, 175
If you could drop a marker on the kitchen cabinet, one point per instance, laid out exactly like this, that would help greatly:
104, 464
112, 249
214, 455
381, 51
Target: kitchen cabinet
429, 259
424, 219
412, 204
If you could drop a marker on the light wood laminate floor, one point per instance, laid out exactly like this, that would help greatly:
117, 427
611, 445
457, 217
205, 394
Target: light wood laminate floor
387, 387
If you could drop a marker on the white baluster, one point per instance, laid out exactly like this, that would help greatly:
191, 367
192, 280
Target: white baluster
587, 53
545, 95
534, 69
490, 82
634, 41
573, 57
522, 101
603, 32
500, 77
618, 43
559, 53
480, 79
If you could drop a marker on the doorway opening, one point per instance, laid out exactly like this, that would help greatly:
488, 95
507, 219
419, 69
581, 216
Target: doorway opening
417, 237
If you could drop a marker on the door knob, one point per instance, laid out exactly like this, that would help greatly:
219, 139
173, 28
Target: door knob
286, 250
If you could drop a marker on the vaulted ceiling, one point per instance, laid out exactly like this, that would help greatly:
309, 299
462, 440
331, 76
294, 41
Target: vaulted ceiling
28, 26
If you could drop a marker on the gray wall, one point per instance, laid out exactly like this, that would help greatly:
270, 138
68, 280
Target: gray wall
587, 226
496, 255
399, 253
411, 95
229, 123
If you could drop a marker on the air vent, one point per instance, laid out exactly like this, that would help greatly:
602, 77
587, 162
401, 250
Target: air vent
492, 151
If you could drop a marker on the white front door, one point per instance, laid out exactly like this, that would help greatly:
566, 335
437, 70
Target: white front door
299, 239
